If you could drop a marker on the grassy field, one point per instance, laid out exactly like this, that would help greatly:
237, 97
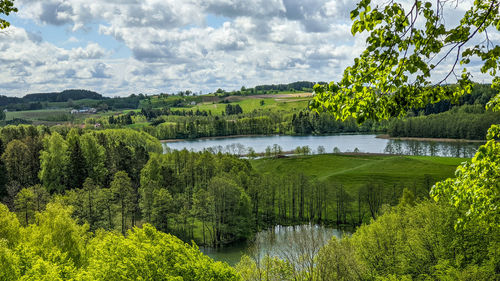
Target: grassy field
37, 115
51, 116
355, 170
248, 104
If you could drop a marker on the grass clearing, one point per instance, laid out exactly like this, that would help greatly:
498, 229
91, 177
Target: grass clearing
34, 115
55, 116
353, 171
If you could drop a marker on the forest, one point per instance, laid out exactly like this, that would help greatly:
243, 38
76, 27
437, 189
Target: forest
465, 122
304, 123
119, 178
112, 193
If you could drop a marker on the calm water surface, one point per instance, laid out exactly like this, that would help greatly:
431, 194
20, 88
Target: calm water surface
344, 143
280, 241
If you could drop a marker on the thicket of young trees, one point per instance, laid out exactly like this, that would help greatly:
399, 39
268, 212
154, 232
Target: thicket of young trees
56, 247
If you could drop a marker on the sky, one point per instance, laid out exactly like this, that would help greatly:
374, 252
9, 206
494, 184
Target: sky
120, 47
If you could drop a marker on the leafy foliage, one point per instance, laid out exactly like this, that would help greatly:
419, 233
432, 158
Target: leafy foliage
476, 189
54, 163
57, 248
6, 7
404, 48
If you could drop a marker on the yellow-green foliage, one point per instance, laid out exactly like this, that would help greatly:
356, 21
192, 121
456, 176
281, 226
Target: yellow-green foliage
269, 268
476, 188
9, 226
57, 248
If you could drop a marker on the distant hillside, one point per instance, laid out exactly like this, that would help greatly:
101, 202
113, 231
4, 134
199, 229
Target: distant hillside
4, 100
63, 96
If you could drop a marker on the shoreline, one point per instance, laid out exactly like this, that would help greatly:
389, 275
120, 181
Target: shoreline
257, 135
387, 137
382, 136
217, 137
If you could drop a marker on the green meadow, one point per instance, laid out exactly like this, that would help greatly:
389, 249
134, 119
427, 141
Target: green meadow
55, 115
249, 104
353, 171
38, 115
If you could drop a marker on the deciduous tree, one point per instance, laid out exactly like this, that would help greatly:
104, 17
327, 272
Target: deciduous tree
54, 160
121, 187
17, 162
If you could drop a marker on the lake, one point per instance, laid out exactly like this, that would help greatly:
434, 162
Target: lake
341, 143
280, 241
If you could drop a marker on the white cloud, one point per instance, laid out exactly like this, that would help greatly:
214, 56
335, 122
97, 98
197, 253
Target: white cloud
174, 47
92, 51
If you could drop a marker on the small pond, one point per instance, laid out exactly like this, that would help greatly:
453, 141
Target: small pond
280, 241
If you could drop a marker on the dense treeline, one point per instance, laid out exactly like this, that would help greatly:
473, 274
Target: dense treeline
156, 115
233, 110
62, 158
465, 122
296, 86
70, 98
304, 123
480, 94
188, 124
63, 96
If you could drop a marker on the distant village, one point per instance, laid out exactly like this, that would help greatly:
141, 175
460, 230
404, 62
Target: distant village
83, 110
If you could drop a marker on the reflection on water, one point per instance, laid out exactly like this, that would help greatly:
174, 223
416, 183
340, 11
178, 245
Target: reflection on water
288, 242
431, 148
240, 145
328, 144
